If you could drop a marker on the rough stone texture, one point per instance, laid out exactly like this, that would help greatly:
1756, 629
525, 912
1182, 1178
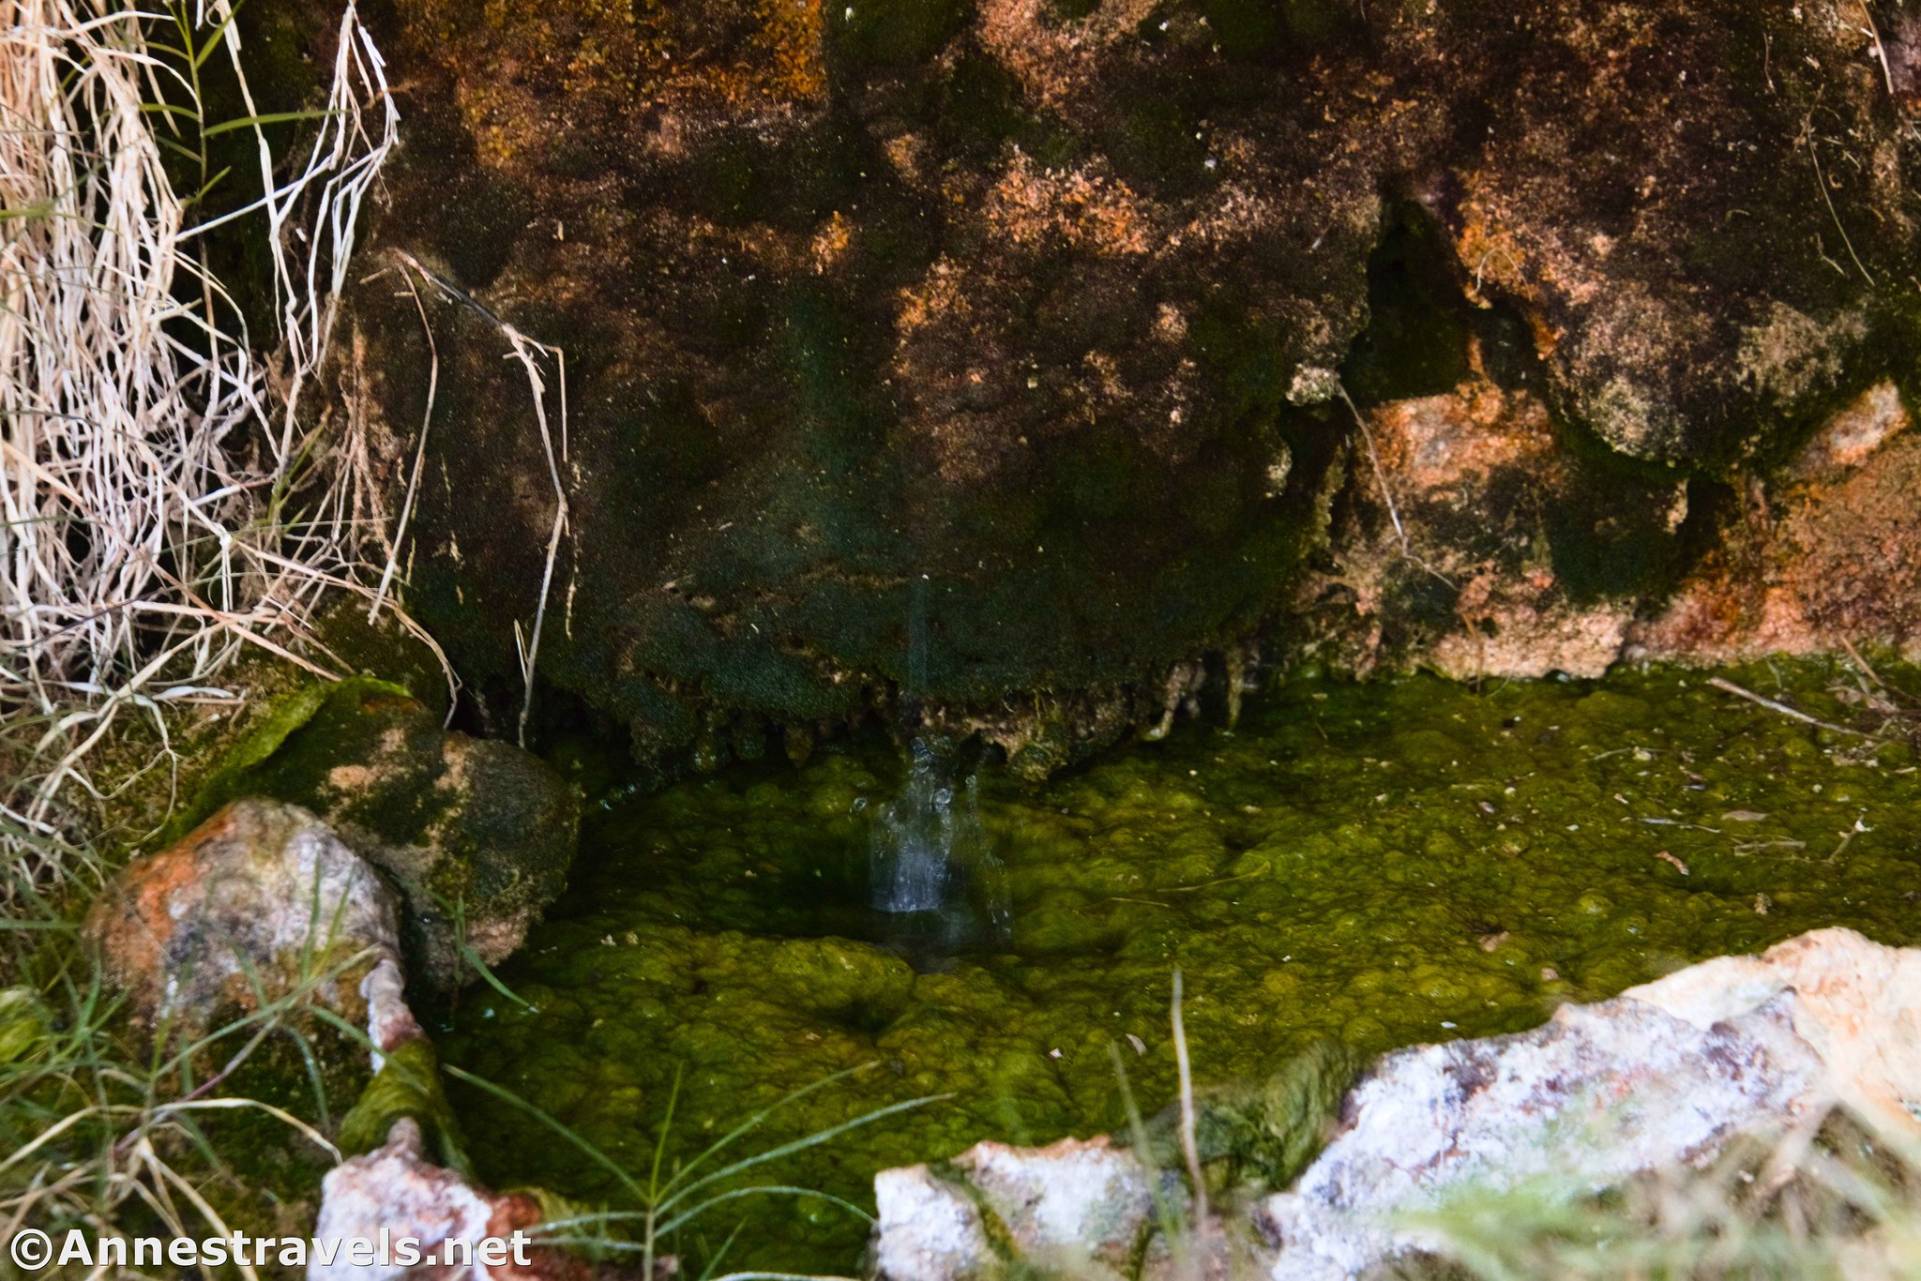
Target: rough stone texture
1261, 1133
927, 1228
395, 1190
1658, 194
1828, 556
938, 352
1473, 542
476, 834
261, 889
1664, 1074
1523, 558
1079, 1207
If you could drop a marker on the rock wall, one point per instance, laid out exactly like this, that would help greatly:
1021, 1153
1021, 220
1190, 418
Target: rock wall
995, 356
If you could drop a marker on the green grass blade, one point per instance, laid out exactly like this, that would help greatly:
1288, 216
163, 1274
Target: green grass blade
265, 118
767, 1189
586, 1149
492, 980
753, 1122
800, 1145
713, 1260
215, 36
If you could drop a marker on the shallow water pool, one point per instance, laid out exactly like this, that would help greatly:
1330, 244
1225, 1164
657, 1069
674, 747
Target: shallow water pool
1401, 861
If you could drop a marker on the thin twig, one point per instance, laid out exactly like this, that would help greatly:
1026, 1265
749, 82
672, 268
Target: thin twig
1190, 1146
1729, 687
1387, 494
1380, 476
1880, 50
1821, 183
420, 452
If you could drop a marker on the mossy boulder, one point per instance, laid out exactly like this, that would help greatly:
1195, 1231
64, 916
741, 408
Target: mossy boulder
476, 834
407, 1085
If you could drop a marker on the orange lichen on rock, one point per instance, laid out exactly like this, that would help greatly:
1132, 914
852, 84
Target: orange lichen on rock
1085, 208
1451, 504
1056, 58
1439, 444
790, 42
606, 55
1833, 559
261, 898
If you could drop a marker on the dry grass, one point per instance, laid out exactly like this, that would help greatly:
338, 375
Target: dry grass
534, 358
169, 496
1832, 1197
174, 491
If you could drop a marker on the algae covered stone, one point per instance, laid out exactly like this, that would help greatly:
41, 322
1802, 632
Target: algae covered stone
477, 835
1264, 1130
407, 1085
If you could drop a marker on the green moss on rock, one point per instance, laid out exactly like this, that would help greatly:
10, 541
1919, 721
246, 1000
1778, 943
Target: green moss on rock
893, 32
407, 1085
477, 834
1263, 1132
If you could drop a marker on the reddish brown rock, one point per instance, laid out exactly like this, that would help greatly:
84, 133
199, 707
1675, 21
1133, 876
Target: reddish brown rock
1682, 292
261, 898
1818, 553
1829, 555
1462, 523
964, 354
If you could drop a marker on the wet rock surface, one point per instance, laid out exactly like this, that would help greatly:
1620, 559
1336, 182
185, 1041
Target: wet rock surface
1473, 542
946, 351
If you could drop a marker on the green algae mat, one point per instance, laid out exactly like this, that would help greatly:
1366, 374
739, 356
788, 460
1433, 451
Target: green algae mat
1381, 864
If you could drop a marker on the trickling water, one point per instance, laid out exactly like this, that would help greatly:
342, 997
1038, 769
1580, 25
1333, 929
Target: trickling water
928, 854
928, 851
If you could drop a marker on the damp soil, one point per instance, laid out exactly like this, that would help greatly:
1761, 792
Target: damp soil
1382, 864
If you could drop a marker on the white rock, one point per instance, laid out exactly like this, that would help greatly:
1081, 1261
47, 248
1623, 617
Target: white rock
1075, 1207
926, 1229
395, 1191
1664, 1074
390, 1020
